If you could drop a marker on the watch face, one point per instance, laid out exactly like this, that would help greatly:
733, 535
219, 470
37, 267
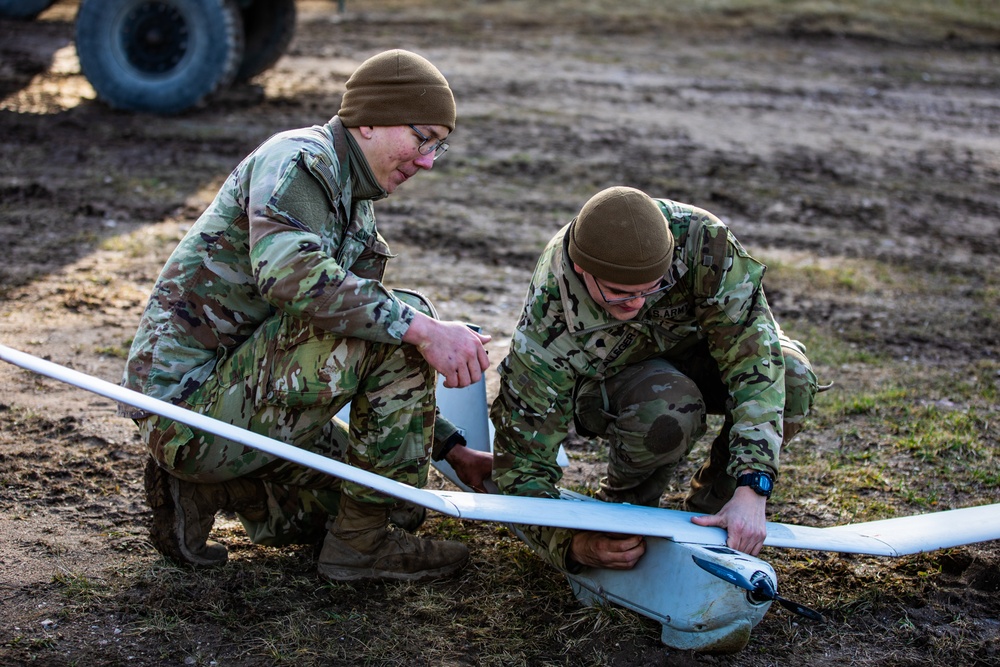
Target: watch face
760, 482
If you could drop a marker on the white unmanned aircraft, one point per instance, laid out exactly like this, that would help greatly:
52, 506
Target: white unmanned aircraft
706, 596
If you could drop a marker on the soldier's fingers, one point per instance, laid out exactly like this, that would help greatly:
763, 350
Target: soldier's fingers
475, 372
464, 376
450, 378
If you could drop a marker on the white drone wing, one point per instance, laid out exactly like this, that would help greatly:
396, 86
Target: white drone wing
890, 537
576, 513
894, 537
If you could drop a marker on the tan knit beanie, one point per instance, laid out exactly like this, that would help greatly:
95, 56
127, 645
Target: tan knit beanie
397, 88
621, 236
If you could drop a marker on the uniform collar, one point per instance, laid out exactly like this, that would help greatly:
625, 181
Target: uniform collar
365, 185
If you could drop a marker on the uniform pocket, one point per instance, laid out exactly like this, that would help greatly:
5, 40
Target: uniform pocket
304, 367
164, 438
398, 424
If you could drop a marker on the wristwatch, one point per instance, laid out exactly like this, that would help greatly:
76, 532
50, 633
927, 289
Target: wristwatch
761, 482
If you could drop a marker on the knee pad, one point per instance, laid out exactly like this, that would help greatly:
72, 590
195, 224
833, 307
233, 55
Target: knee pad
651, 405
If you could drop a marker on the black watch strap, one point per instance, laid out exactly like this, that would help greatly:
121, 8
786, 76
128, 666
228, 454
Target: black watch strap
455, 440
761, 482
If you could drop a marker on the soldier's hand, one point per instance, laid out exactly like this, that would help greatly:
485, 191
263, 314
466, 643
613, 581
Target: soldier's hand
615, 552
472, 466
451, 348
744, 518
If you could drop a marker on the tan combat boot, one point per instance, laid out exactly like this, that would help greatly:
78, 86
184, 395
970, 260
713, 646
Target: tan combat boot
408, 516
183, 513
362, 544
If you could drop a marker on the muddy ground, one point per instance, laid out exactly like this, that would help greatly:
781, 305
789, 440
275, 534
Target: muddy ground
826, 152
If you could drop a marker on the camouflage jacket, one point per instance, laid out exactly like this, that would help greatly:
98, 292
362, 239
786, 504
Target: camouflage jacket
283, 234
564, 337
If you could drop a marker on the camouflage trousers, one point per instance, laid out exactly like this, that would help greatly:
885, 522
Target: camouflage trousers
287, 382
652, 413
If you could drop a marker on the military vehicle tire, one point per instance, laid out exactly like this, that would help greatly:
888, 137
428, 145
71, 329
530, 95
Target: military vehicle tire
23, 9
158, 56
268, 27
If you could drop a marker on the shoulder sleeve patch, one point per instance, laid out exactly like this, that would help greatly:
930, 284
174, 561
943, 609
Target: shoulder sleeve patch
714, 257
300, 200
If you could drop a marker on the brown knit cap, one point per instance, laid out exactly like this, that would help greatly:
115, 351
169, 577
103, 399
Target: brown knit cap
621, 236
397, 88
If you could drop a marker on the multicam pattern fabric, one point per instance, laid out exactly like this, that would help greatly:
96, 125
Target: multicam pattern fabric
283, 234
271, 314
565, 343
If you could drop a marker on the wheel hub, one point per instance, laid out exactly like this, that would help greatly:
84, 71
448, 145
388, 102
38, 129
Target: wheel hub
155, 37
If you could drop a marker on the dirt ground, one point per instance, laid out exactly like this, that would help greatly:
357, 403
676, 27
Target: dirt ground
825, 152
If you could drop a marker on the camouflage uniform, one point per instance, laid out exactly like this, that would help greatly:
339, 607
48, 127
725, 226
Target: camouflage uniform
270, 314
708, 344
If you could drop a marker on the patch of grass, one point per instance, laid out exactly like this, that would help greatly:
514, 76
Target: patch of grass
141, 242
120, 351
809, 274
825, 350
816, 274
582, 489
32, 643
269, 607
985, 379
77, 587
930, 433
864, 403
915, 444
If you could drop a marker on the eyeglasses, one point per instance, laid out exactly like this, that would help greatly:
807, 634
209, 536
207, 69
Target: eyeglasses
439, 147
664, 285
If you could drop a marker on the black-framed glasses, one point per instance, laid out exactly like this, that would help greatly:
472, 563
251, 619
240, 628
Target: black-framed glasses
664, 285
439, 147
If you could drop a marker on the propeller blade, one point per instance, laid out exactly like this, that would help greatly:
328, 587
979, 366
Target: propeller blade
762, 589
765, 589
799, 609
725, 573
